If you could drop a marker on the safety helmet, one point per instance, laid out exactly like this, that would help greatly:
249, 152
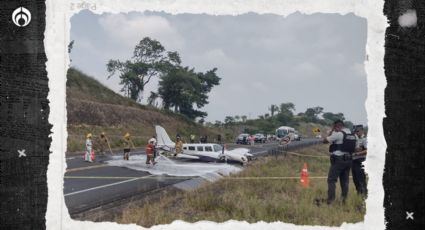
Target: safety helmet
89, 135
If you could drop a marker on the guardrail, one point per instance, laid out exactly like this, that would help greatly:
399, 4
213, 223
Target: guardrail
283, 149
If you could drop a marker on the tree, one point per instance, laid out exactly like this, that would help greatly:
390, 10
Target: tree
218, 123
312, 114
228, 120
286, 113
70, 46
150, 59
237, 118
331, 117
201, 121
243, 117
152, 98
182, 88
273, 109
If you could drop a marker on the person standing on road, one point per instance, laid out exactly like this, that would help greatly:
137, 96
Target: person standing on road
89, 148
179, 145
103, 143
251, 140
340, 161
359, 156
192, 138
150, 149
127, 146
219, 138
153, 139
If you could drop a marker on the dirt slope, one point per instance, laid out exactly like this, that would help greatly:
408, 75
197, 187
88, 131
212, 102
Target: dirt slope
92, 107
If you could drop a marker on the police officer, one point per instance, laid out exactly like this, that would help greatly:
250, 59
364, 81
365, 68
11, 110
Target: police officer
340, 161
359, 156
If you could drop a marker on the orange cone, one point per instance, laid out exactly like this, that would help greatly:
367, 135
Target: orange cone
304, 176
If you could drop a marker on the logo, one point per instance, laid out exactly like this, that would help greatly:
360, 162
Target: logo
21, 17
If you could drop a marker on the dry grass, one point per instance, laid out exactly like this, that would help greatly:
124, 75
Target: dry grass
93, 108
256, 199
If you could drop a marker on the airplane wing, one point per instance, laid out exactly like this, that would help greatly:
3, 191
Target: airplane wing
182, 155
240, 151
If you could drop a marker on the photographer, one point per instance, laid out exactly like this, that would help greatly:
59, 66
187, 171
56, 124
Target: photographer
340, 160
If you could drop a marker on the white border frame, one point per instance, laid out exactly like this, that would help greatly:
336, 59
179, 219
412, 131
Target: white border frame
58, 14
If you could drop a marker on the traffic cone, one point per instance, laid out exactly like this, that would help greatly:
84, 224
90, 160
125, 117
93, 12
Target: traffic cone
304, 176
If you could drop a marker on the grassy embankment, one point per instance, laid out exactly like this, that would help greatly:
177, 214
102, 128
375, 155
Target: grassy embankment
252, 197
94, 108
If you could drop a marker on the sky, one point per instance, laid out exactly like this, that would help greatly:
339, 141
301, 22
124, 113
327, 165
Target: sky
309, 60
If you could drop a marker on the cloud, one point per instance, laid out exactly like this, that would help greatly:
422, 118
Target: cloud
131, 29
358, 69
306, 69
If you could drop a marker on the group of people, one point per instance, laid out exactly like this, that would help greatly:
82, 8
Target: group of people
347, 152
128, 144
104, 142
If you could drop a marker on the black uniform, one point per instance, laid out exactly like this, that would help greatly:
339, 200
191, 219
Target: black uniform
340, 166
359, 176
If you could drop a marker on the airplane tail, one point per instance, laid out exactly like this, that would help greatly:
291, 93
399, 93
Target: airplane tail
163, 140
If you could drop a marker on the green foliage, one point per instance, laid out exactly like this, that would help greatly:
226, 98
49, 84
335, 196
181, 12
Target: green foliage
331, 117
273, 109
182, 88
149, 60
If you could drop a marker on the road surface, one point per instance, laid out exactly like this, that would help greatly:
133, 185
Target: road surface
91, 185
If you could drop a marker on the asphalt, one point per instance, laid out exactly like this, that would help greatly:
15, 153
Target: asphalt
91, 185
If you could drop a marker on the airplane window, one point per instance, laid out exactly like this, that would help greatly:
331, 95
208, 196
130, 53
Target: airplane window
192, 148
200, 148
218, 148
208, 148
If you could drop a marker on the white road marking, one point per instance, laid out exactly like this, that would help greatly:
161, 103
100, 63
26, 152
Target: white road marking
106, 185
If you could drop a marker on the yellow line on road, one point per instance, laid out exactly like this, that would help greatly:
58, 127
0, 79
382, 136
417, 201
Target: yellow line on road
85, 168
179, 178
305, 155
273, 178
101, 177
124, 177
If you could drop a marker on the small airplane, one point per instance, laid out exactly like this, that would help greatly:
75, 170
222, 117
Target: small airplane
204, 151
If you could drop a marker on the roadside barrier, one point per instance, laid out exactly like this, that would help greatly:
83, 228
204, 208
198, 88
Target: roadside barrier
284, 149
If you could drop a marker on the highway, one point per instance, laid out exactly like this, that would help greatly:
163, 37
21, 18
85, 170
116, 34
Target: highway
91, 185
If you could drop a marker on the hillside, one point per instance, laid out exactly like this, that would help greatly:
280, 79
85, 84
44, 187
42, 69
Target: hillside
92, 107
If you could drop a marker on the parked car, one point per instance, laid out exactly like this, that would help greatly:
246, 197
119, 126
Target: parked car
297, 136
260, 138
243, 139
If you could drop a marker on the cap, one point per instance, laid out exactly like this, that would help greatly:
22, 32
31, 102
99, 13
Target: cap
89, 135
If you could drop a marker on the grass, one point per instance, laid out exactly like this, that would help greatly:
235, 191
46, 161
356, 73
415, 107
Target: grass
93, 108
257, 199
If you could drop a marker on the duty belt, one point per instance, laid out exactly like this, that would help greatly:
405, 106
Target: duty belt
344, 157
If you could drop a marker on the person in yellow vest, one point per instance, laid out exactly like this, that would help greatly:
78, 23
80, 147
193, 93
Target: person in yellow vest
179, 145
127, 146
89, 148
104, 143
